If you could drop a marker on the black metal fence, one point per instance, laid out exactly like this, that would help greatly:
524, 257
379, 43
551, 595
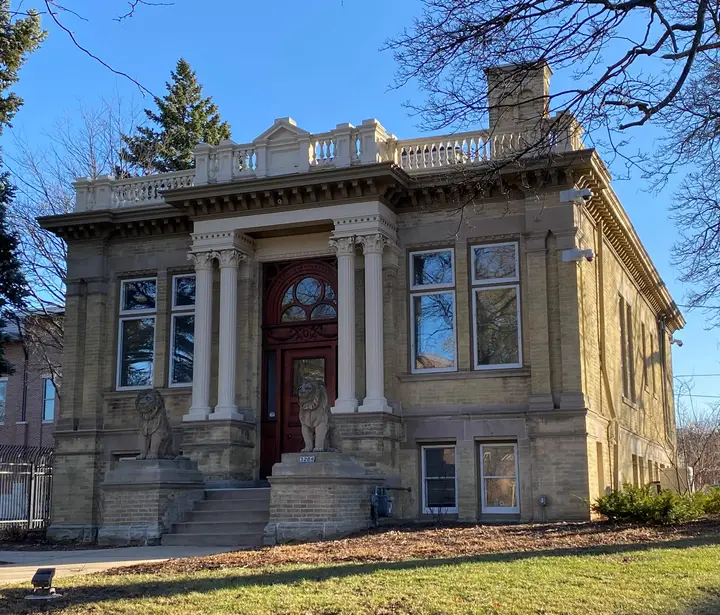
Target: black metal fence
25, 487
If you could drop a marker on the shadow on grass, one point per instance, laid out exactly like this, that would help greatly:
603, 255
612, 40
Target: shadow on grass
168, 585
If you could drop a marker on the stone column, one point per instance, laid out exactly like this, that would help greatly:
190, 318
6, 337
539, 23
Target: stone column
200, 406
226, 407
347, 398
375, 400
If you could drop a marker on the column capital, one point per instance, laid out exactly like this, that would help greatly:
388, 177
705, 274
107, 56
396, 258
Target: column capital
373, 244
229, 258
201, 260
343, 245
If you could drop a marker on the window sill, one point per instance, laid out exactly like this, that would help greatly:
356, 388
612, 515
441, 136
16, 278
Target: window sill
48, 422
131, 393
628, 402
21, 422
517, 372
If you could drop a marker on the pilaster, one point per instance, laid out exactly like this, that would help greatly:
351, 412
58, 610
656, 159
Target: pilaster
572, 396
538, 330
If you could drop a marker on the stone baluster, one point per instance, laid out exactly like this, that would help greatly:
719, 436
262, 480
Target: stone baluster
347, 398
375, 400
200, 405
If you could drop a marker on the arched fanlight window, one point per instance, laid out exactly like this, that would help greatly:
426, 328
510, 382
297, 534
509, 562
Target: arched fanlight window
308, 299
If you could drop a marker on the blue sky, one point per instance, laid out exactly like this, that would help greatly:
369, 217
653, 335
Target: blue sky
318, 62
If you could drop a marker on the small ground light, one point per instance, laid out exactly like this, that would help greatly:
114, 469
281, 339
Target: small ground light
42, 585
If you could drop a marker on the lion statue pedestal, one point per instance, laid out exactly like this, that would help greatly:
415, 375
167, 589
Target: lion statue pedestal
143, 497
318, 493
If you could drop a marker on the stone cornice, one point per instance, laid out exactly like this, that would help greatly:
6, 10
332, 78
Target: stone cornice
126, 222
382, 181
620, 234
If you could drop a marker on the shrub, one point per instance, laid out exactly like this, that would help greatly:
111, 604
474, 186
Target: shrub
712, 501
643, 505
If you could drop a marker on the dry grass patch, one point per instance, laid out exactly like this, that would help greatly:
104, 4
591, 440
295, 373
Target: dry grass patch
408, 543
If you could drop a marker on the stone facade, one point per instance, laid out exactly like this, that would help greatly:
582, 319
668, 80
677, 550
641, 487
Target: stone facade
563, 414
142, 498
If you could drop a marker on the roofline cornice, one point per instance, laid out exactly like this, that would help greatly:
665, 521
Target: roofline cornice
622, 236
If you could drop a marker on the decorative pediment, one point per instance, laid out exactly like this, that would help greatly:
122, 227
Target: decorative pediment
284, 129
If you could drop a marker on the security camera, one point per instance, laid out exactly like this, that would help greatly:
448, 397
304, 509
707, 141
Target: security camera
575, 255
575, 195
677, 342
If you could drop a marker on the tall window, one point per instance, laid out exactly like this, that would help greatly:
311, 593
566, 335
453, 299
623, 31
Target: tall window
136, 338
626, 350
439, 479
182, 330
432, 311
498, 469
496, 306
3, 397
48, 400
652, 363
646, 380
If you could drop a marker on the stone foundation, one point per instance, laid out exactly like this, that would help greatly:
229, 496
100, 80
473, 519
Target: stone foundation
223, 449
142, 498
324, 498
373, 439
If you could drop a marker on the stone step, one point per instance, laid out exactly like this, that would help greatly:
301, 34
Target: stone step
258, 493
219, 527
232, 505
234, 516
237, 539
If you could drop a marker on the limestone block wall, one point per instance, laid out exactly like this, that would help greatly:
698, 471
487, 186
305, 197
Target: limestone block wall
645, 416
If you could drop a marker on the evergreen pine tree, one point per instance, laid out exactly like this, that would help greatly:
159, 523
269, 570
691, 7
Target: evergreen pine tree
183, 119
18, 38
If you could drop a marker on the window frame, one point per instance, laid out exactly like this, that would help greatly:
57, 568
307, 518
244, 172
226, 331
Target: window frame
417, 288
181, 308
436, 510
176, 312
423, 290
45, 380
123, 282
484, 282
127, 315
645, 371
499, 283
497, 510
3, 416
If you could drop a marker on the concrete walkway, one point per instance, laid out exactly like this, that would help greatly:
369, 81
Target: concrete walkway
84, 561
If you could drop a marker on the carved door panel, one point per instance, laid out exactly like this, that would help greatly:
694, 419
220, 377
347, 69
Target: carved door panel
316, 363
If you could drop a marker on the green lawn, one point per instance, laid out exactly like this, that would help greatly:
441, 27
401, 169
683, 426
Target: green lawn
680, 577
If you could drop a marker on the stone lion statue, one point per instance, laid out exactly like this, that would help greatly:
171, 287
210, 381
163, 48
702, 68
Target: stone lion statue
155, 426
315, 417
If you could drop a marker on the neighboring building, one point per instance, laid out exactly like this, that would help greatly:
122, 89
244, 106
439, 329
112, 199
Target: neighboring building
29, 401
481, 362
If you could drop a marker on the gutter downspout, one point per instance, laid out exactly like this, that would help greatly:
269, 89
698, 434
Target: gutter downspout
613, 428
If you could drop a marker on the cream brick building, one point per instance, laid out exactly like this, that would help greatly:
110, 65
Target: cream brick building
509, 363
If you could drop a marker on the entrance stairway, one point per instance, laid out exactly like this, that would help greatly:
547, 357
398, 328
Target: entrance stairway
226, 517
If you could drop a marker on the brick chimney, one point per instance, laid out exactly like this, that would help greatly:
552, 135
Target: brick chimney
518, 96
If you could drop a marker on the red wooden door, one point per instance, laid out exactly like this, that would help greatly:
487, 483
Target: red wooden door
297, 364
